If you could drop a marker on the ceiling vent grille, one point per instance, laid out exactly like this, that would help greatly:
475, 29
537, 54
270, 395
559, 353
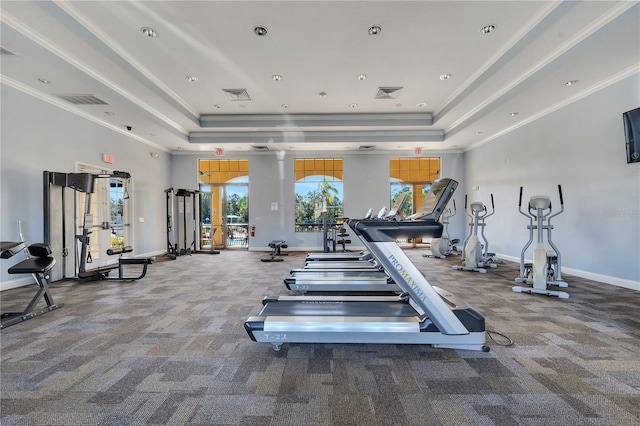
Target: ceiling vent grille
237, 94
366, 147
83, 99
260, 147
388, 92
4, 51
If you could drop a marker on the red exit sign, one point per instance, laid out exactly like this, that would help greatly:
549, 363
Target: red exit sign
107, 158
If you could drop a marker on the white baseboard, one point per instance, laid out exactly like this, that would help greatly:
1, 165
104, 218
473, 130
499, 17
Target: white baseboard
606, 279
18, 282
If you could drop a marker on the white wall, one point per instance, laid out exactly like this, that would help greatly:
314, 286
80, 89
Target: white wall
271, 180
37, 136
581, 147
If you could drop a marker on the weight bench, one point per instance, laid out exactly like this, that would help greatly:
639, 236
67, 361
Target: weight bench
276, 247
39, 266
103, 273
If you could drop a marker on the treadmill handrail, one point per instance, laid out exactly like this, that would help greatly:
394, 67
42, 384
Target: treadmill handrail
436, 200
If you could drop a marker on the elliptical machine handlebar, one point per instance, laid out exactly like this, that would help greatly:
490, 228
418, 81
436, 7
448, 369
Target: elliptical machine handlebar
493, 209
561, 203
465, 207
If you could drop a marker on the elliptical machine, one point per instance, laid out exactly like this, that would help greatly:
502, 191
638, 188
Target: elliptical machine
444, 246
546, 267
476, 256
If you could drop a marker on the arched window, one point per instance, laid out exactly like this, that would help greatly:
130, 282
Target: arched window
318, 186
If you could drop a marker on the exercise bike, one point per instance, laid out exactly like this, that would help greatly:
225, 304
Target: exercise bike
444, 246
546, 267
476, 256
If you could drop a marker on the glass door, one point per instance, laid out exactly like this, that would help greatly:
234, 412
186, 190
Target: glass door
236, 215
225, 216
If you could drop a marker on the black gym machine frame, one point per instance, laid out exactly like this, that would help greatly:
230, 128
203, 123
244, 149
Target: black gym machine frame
84, 183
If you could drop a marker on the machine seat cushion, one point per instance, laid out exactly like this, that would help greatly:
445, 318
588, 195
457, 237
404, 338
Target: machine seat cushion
136, 260
33, 265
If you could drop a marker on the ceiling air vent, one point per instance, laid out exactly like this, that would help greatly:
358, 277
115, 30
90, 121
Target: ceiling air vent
388, 92
237, 94
366, 147
260, 147
4, 51
83, 99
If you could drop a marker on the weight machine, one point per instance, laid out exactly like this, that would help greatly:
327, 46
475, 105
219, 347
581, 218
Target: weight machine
55, 226
182, 216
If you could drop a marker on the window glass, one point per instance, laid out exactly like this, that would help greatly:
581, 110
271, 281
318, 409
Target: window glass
318, 188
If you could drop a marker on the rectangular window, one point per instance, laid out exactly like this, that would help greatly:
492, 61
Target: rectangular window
319, 190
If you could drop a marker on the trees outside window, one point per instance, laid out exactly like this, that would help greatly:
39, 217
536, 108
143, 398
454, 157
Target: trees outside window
318, 184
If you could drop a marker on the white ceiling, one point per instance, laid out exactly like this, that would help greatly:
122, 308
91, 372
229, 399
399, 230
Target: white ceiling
97, 48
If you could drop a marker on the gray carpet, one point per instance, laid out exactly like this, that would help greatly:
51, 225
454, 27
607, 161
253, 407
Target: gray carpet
171, 349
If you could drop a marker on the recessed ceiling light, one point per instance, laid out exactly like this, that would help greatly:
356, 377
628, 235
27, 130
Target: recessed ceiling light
216, 106
261, 31
487, 29
362, 77
375, 30
445, 76
353, 105
285, 105
276, 77
322, 94
513, 114
44, 81
571, 82
149, 32
421, 105
192, 78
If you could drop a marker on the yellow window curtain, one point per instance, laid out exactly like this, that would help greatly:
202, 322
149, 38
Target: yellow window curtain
415, 170
306, 167
221, 171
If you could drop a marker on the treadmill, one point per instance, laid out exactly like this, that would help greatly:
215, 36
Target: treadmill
423, 314
394, 214
343, 280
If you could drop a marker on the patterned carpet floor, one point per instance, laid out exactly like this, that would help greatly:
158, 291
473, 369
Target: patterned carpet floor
171, 349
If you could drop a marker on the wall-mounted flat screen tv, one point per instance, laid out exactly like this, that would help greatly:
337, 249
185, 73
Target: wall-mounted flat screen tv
631, 121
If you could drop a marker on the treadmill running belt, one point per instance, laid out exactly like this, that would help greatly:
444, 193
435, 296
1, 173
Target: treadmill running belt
353, 309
